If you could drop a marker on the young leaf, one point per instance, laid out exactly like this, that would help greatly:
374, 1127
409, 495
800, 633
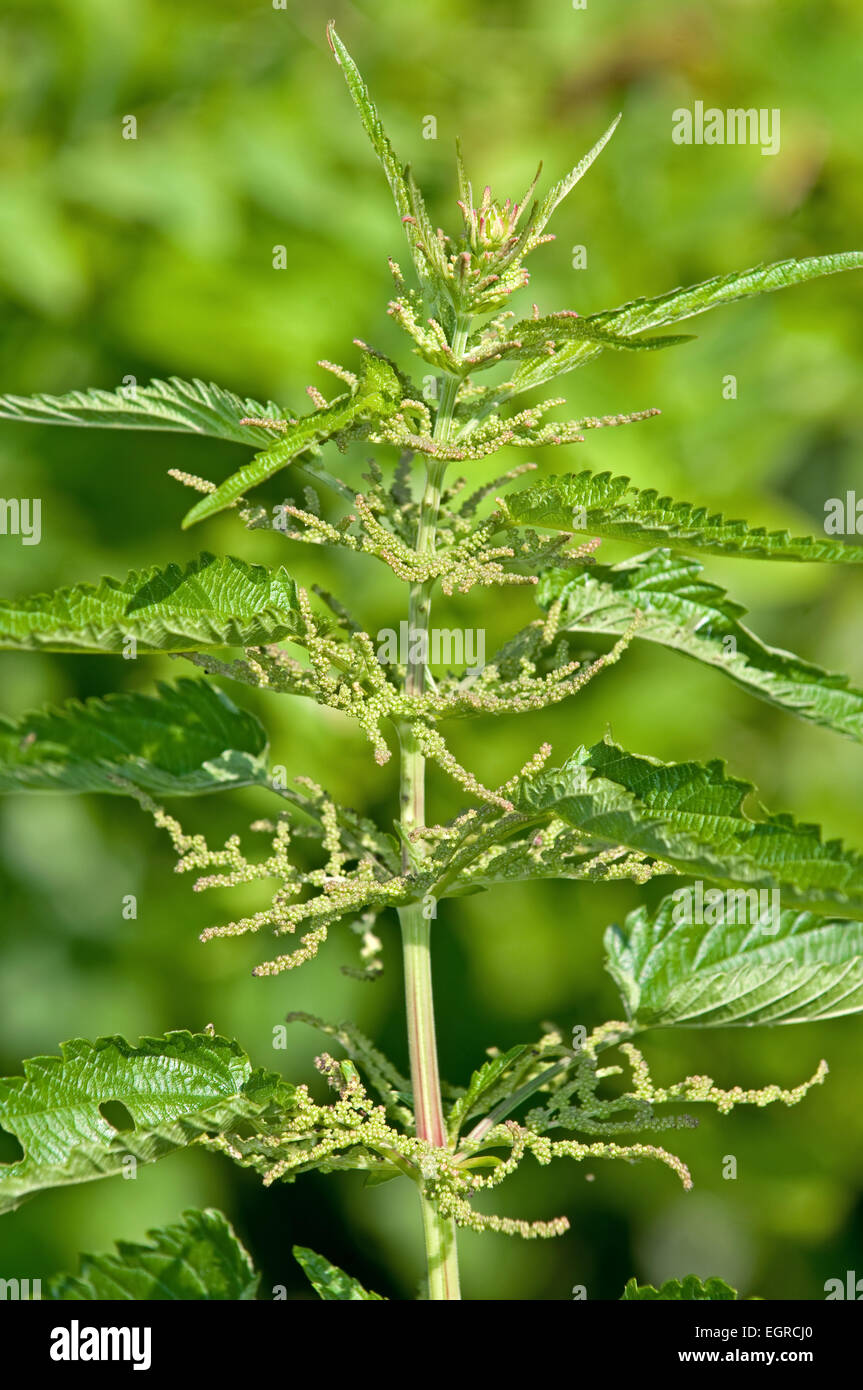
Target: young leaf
544, 335
690, 815
175, 1089
213, 602
686, 303
406, 195
331, 1283
188, 407
377, 395
481, 1083
601, 505
677, 608
561, 190
674, 1290
504, 1093
671, 307
540, 213
198, 1258
746, 968
186, 740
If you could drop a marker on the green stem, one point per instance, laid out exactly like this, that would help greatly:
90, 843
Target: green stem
416, 943
441, 1255
440, 1235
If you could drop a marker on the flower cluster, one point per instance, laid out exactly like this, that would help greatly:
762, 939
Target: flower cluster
356, 1131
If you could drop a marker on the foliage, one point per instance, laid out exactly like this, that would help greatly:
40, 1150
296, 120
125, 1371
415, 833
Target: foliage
175, 1090
212, 601
329, 1282
606, 814
198, 1257
186, 739
794, 969
676, 608
674, 1290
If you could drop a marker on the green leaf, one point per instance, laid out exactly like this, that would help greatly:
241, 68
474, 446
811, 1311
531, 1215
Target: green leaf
602, 505
674, 1290
406, 195
482, 1081
175, 1089
524, 1071
531, 336
188, 407
679, 609
329, 1282
186, 740
671, 307
686, 303
540, 213
746, 967
690, 816
377, 395
196, 1259
210, 603
561, 190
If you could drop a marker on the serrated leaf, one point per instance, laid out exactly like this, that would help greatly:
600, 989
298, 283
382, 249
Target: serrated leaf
561, 190
188, 407
746, 966
690, 816
675, 1290
187, 739
599, 504
175, 1089
675, 305
687, 302
679, 609
406, 195
212, 602
531, 336
377, 395
540, 213
331, 1283
482, 1082
198, 1258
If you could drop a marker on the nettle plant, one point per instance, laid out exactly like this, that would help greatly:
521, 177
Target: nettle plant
707, 957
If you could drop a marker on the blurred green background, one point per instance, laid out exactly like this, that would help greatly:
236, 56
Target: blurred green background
154, 256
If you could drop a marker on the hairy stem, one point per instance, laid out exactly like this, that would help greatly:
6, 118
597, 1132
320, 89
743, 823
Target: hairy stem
441, 1255
440, 1236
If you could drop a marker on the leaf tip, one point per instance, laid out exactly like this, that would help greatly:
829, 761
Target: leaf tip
334, 41
193, 515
